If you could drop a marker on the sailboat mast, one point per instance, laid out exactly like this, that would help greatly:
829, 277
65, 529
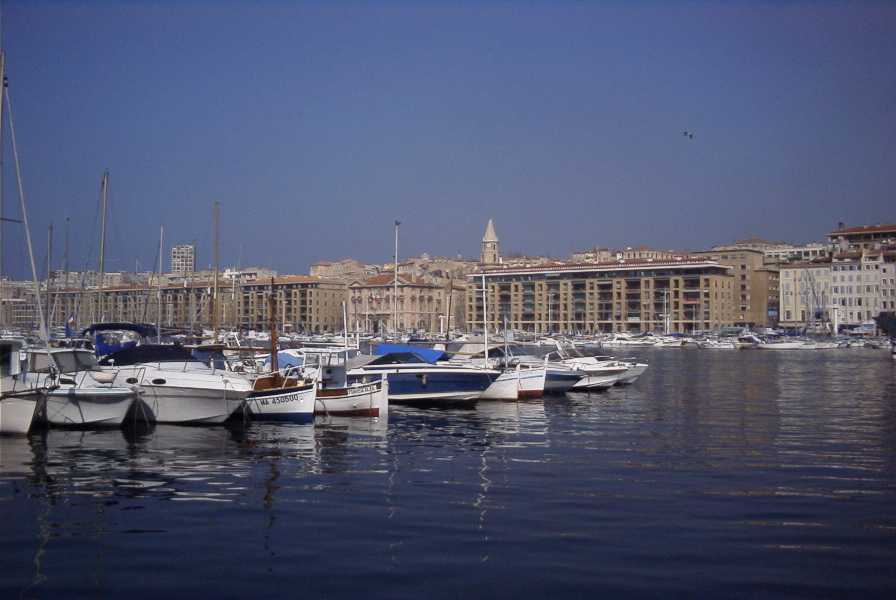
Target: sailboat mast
3, 85
49, 272
395, 281
159, 313
485, 318
15, 154
215, 218
104, 183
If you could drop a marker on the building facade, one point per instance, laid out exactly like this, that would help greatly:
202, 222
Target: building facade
806, 294
304, 304
489, 254
183, 259
677, 296
756, 285
420, 305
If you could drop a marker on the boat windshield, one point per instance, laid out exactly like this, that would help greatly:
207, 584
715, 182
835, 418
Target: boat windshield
72, 361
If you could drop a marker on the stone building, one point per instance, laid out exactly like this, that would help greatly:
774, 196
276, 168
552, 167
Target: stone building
345, 270
303, 303
489, 254
756, 284
865, 237
421, 305
681, 295
805, 293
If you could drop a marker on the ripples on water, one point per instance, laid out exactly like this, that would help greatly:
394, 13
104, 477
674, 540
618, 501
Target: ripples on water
718, 473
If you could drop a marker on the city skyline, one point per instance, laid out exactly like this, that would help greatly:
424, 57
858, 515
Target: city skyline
316, 126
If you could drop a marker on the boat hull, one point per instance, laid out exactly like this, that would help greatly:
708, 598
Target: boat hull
184, 396
560, 382
632, 374
360, 400
595, 382
295, 404
17, 413
532, 382
436, 387
505, 387
80, 407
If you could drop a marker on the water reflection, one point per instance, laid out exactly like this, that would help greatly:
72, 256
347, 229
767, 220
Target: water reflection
708, 462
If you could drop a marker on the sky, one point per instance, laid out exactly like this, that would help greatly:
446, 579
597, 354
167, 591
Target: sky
316, 125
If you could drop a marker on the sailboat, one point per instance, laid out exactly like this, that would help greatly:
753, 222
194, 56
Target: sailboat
281, 395
17, 406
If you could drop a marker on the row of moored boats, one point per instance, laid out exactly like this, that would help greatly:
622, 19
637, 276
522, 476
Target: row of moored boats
122, 375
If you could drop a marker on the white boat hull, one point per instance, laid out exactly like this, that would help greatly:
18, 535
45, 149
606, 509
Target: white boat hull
596, 382
632, 374
505, 387
288, 404
185, 396
531, 383
73, 407
359, 400
17, 413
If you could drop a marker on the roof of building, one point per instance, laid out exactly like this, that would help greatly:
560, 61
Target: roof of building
490, 235
807, 264
389, 279
602, 266
879, 228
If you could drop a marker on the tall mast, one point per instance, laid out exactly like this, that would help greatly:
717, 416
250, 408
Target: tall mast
49, 272
65, 255
272, 317
215, 217
485, 318
159, 313
2, 87
395, 282
104, 184
15, 154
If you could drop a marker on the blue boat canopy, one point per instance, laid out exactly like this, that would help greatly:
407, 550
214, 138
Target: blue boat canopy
427, 354
143, 329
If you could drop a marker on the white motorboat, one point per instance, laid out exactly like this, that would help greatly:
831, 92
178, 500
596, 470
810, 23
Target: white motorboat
17, 406
797, 345
597, 382
82, 394
505, 387
367, 396
177, 388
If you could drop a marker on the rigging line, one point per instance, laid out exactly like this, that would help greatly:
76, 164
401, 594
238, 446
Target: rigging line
15, 153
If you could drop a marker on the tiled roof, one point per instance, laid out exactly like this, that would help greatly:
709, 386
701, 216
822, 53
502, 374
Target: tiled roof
865, 229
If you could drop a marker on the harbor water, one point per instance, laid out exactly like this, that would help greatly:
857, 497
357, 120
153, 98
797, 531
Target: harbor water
719, 473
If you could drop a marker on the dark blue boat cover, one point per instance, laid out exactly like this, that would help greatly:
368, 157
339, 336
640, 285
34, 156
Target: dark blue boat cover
427, 354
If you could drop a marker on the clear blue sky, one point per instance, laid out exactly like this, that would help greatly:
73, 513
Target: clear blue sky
317, 124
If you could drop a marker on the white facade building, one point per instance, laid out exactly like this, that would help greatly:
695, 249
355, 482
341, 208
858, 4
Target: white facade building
805, 294
856, 286
183, 258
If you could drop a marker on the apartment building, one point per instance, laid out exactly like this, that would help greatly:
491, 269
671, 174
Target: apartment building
806, 293
756, 284
183, 259
303, 303
680, 296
